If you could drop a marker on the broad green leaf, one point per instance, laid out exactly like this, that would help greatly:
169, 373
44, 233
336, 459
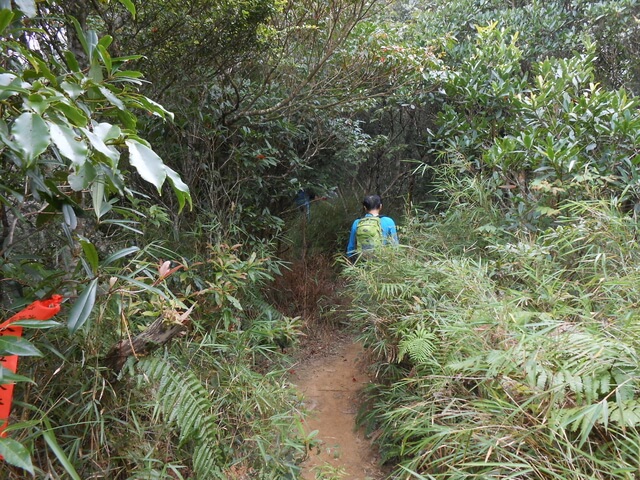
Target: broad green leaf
50, 438
36, 102
44, 69
81, 36
72, 61
90, 253
92, 43
82, 308
18, 346
28, 7
17, 84
98, 144
69, 216
16, 454
86, 266
69, 144
113, 99
97, 195
12, 85
72, 89
154, 107
6, 16
31, 136
107, 131
128, 74
106, 58
77, 182
75, 115
129, 6
82, 177
105, 208
180, 188
147, 162
120, 254
127, 119
235, 302
7, 376
105, 41
7, 79
95, 73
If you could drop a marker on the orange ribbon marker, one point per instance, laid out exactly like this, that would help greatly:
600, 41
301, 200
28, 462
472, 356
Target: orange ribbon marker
38, 310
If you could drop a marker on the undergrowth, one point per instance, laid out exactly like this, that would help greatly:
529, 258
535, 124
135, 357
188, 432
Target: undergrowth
213, 403
516, 357
309, 285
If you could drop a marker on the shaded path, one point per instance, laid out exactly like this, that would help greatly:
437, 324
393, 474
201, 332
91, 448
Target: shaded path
330, 384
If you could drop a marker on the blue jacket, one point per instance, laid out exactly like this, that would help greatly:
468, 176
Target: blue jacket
389, 234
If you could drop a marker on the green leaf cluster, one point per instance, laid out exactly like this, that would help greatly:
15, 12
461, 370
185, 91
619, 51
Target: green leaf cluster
55, 114
537, 136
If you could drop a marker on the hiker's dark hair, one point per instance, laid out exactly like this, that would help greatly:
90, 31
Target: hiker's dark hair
372, 202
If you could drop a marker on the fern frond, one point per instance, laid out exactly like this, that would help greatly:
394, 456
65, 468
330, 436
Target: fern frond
419, 345
625, 413
183, 401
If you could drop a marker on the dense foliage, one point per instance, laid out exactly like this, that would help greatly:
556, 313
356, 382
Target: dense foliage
506, 361
504, 332
74, 224
150, 154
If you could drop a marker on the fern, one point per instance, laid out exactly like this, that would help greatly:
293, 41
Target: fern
419, 345
183, 401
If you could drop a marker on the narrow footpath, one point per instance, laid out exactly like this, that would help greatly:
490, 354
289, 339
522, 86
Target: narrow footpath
330, 380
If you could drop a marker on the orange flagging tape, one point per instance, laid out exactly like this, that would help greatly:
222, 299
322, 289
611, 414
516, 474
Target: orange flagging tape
38, 310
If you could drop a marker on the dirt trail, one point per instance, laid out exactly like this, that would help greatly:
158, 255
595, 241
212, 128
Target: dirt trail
330, 383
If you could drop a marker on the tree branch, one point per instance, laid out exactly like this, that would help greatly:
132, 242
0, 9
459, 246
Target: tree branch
162, 330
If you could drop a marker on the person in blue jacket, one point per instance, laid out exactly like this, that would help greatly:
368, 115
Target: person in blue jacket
373, 205
303, 202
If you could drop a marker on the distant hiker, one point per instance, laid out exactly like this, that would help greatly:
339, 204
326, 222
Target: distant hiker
303, 202
372, 230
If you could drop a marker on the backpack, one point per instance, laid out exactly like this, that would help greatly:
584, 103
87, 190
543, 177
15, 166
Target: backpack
368, 234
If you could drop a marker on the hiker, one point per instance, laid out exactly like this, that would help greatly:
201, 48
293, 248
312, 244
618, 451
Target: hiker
372, 230
303, 202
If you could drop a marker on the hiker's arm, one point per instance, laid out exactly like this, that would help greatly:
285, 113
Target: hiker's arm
389, 231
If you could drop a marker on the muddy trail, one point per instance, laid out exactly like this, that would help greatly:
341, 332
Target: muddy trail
330, 377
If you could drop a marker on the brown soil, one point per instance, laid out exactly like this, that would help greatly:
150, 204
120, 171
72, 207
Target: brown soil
330, 374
